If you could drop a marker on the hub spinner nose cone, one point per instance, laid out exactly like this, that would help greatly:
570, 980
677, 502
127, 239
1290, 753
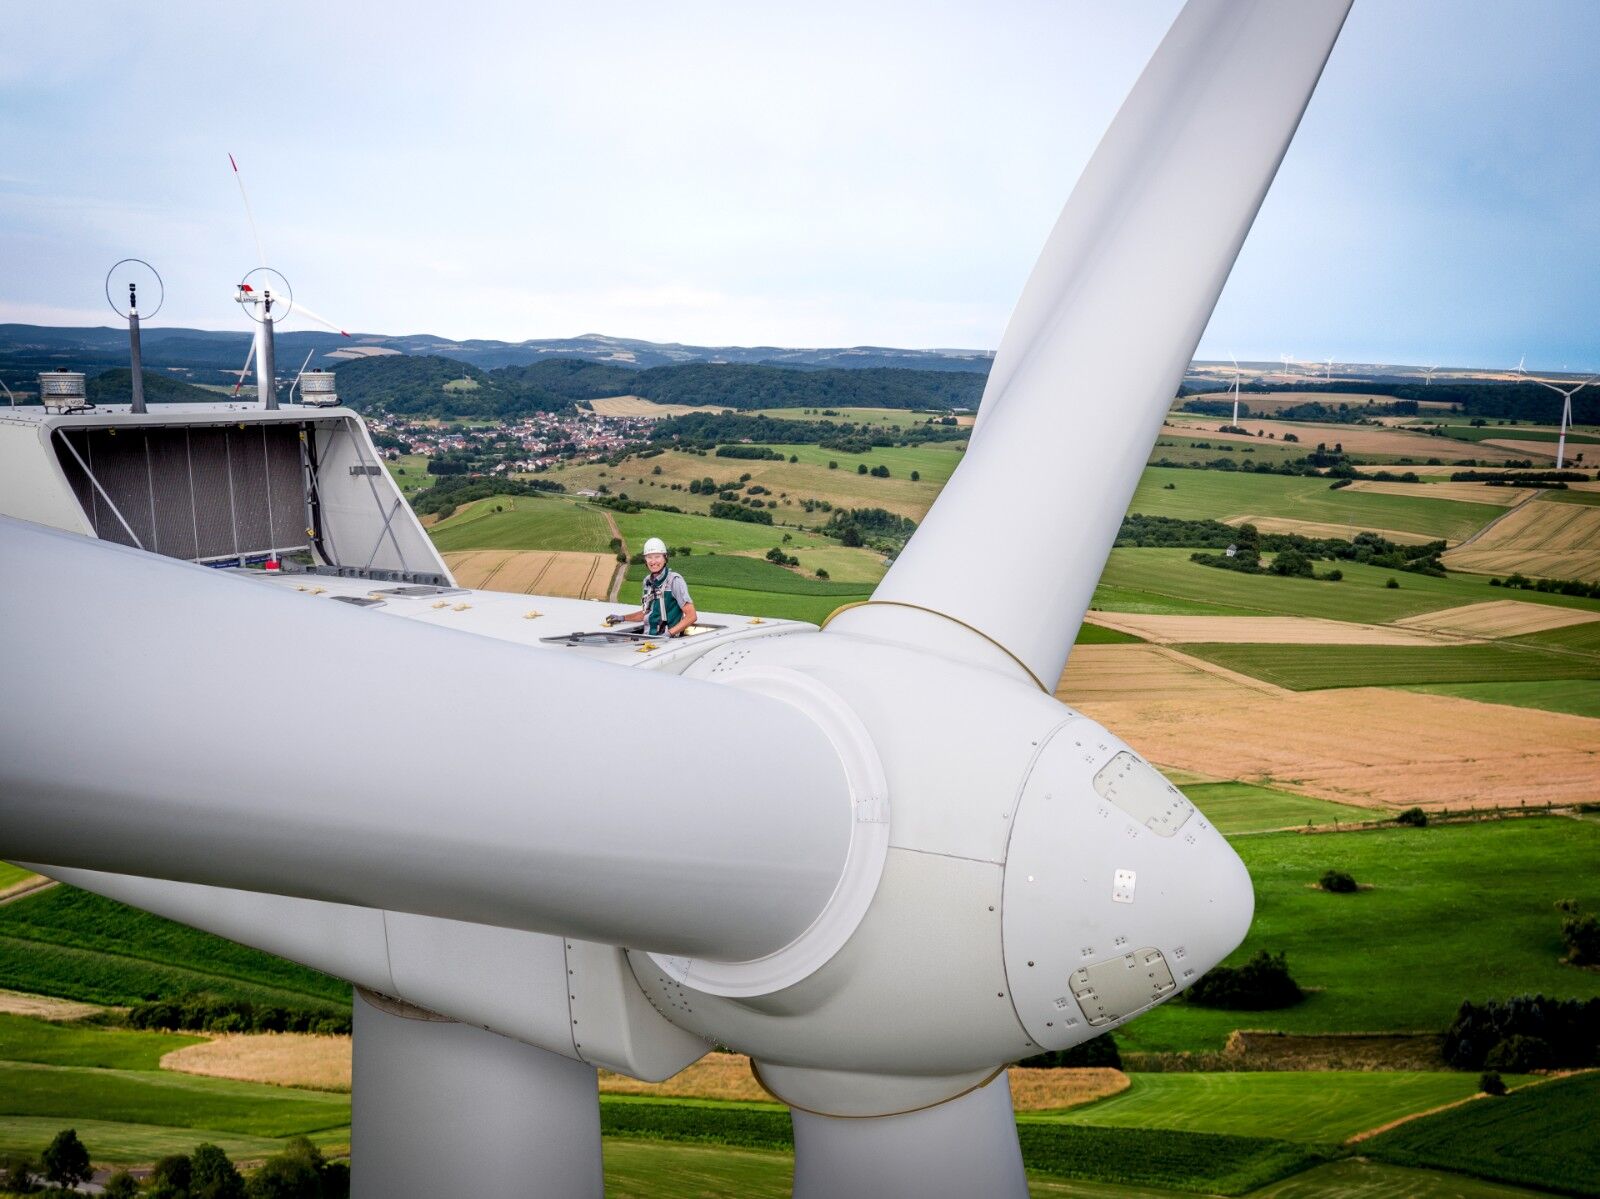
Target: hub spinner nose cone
1118, 892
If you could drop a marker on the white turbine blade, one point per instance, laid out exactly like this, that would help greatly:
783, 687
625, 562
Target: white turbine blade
249, 737
249, 214
299, 309
248, 358
1108, 322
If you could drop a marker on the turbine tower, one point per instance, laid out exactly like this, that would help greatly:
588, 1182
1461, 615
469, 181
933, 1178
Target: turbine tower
883, 915
1235, 362
1566, 394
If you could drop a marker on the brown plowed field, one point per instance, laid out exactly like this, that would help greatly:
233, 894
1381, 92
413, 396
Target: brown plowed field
1552, 540
534, 572
1318, 528
1499, 618
1369, 746
1472, 493
1271, 630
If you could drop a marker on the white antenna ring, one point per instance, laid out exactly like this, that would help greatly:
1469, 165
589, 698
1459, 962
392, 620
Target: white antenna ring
161, 292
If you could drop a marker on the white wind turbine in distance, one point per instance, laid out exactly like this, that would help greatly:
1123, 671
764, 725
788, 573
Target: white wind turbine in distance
257, 300
1566, 394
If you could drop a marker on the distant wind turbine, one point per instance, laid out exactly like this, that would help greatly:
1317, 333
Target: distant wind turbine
1566, 394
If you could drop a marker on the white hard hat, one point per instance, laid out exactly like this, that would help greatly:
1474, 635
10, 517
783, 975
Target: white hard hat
655, 546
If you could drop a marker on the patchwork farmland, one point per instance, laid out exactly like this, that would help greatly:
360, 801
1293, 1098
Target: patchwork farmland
1300, 714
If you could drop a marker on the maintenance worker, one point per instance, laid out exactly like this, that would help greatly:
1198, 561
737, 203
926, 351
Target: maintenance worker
665, 608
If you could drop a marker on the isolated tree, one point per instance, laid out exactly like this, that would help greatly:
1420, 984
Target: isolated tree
861, 468
66, 1161
213, 1175
916, 476
170, 1177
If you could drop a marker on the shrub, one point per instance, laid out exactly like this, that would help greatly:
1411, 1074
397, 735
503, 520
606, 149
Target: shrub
17, 1172
822, 574
1580, 933
1490, 1083
1518, 1054
1291, 563
1338, 881
1567, 1029
832, 465
1261, 984
123, 1185
1392, 585
916, 476
1414, 817
861, 468
1096, 1051
1334, 575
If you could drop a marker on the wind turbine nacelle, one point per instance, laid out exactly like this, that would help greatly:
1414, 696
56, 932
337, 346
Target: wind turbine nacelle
1040, 883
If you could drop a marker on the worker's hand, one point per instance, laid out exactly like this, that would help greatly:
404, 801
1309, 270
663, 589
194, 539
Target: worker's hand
612, 618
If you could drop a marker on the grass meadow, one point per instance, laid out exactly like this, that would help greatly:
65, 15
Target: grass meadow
524, 522
1543, 1136
66, 942
1457, 911
1577, 697
1315, 667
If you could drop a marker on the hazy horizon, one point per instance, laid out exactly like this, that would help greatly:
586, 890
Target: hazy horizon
723, 176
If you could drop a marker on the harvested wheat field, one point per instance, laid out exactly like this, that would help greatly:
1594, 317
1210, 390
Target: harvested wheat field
1109, 673
1545, 539
534, 572
728, 1076
1356, 439
1259, 630
638, 406
1499, 618
1318, 528
45, 1007
1471, 493
1368, 746
285, 1059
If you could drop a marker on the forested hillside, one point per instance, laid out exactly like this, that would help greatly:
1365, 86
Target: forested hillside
432, 386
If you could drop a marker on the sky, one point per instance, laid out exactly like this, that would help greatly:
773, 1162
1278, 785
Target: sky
817, 175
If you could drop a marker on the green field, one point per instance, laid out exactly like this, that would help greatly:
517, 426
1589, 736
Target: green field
754, 587
1245, 808
48, 1044
1313, 1106
1577, 697
416, 477
66, 942
1360, 1179
1164, 580
1515, 432
525, 522
1161, 1158
1314, 667
11, 875
167, 1100
1591, 498
1545, 1136
1467, 908
1575, 638
1221, 495
706, 533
